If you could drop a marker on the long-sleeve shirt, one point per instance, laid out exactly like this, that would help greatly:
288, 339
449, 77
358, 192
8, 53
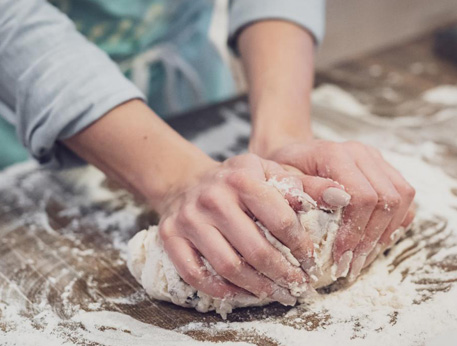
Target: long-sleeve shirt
54, 82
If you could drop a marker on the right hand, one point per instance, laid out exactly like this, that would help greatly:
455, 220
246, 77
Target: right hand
381, 199
212, 216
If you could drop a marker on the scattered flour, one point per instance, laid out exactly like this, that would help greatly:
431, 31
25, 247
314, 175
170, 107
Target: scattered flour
101, 327
443, 94
116, 329
336, 98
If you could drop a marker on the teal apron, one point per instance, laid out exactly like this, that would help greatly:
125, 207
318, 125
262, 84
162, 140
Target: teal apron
161, 45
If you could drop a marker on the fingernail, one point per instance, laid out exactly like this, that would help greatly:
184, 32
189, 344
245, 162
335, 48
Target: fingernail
245, 299
344, 264
312, 293
336, 197
310, 268
396, 235
356, 267
309, 294
283, 296
372, 255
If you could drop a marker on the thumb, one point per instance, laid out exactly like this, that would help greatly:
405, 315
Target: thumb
327, 193
288, 183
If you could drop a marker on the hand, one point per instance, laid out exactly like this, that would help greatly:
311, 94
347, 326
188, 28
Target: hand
213, 217
381, 199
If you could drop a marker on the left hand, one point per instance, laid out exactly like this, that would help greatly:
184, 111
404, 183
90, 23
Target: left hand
381, 199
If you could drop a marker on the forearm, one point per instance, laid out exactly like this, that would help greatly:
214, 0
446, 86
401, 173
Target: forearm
278, 60
133, 146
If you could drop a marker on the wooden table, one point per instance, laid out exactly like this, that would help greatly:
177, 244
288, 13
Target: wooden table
63, 246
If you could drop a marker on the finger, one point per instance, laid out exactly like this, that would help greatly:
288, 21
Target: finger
394, 237
400, 219
387, 206
243, 234
407, 222
406, 192
273, 212
327, 193
356, 215
227, 263
193, 271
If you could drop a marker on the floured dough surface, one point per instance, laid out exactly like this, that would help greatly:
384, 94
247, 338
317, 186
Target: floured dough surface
152, 268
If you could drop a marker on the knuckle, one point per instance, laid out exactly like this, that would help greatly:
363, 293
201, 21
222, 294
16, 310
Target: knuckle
328, 146
288, 221
166, 230
249, 156
355, 145
286, 226
409, 192
333, 151
258, 255
387, 202
211, 198
191, 275
229, 268
302, 246
238, 180
242, 160
187, 214
367, 199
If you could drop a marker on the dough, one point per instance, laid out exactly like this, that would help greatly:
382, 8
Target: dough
152, 268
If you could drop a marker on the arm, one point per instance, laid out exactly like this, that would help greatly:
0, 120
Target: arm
276, 41
136, 148
277, 57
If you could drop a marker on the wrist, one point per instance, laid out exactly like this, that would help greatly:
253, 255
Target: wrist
265, 146
190, 169
274, 130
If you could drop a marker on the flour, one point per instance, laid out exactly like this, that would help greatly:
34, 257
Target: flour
334, 97
119, 330
443, 94
103, 327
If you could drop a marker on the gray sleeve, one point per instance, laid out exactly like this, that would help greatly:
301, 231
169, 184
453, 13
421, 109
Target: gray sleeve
53, 82
310, 14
